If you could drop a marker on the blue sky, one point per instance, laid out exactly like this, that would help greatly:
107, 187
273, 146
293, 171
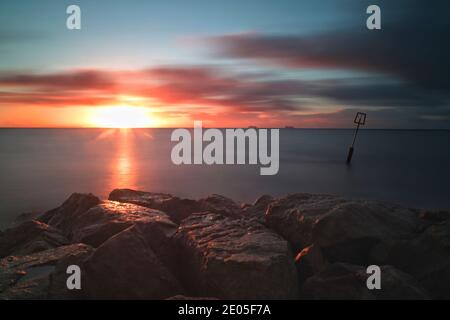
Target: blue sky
138, 33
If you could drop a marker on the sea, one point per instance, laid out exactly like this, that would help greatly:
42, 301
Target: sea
40, 168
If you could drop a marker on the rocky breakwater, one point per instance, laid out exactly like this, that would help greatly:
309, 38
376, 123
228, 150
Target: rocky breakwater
144, 245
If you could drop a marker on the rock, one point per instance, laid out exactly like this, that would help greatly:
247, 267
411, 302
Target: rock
426, 257
294, 216
101, 222
159, 232
309, 261
125, 267
177, 209
348, 282
345, 230
338, 281
350, 230
58, 278
111, 217
435, 215
257, 210
235, 259
29, 277
30, 237
25, 217
157, 246
396, 285
219, 204
63, 216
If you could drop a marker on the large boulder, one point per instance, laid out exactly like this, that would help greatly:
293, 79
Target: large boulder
346, 281
345, 230
41, 275
177, 208
30, 237
350, 230
126, 267
235, 259
426, 257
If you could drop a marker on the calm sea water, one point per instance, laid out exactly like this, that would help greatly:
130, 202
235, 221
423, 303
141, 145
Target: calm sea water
40, 168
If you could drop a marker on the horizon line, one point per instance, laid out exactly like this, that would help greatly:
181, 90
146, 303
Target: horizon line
248, 127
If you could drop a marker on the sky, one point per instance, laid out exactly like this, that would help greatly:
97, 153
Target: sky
309, 64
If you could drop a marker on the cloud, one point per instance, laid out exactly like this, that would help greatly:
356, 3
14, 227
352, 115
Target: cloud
412, 45
84, 79
57, 99
210, 86
380, 93
418, 58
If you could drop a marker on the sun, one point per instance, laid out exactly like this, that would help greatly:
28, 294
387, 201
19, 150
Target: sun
122, 117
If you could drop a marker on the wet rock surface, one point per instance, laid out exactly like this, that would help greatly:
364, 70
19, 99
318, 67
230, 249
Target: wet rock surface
144, 245
35, 276
108, 218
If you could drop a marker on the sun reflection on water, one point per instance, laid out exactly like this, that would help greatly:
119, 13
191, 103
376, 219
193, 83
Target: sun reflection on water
123, 167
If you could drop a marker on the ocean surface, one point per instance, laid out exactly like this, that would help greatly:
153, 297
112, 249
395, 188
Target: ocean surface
40, 168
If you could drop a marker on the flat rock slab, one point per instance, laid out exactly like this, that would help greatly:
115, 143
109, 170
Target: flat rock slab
235, 259
38, 276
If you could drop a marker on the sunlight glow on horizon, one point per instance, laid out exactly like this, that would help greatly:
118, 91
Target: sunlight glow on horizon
123, 117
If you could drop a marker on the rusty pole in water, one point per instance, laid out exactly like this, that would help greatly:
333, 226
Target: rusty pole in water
360, 119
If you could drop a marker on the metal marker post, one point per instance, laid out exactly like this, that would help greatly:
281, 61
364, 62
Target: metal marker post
360, 120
